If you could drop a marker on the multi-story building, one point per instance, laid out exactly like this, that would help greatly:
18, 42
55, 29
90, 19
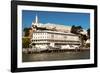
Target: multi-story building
44, 36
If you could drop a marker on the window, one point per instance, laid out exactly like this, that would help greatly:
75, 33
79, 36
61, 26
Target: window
52, 36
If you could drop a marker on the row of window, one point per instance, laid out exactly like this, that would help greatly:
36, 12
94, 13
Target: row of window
52, 34
55, 41
39, 33
37, 37
61, 38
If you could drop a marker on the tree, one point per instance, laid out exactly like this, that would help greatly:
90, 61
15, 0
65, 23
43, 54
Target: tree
25, 42
26, 30
73, 29
79, 29
88, 32
83, 39
76, 29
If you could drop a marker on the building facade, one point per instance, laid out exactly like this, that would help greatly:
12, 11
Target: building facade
52, 38
43, 37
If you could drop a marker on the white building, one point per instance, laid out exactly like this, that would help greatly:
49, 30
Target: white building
44, 36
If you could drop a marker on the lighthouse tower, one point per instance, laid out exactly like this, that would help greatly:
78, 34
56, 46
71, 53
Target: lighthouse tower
36, 22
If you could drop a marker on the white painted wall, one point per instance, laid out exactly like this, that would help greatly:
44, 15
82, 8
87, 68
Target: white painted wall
5, 50
54, 36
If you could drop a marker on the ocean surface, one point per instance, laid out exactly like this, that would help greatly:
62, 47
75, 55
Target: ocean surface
55, 56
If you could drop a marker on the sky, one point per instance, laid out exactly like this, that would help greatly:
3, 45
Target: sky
63, 18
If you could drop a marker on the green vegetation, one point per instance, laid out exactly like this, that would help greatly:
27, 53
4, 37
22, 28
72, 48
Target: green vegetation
26, 30
88, 33
87, 45
83, 37
25, 42
76, 29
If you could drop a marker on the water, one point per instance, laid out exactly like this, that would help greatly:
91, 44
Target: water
55, 56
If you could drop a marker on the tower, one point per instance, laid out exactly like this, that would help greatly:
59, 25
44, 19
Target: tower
36, 19
36, 22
